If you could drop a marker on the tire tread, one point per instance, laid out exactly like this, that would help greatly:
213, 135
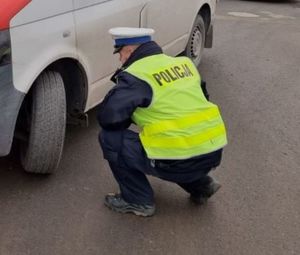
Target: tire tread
47, 126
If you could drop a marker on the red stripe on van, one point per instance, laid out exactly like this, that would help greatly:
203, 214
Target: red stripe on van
8, 9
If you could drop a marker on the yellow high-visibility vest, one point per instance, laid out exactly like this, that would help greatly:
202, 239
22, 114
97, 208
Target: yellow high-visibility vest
180, 123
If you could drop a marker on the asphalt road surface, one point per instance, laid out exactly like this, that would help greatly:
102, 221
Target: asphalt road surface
253, 74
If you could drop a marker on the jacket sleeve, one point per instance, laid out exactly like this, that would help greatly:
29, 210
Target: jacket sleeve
115, 111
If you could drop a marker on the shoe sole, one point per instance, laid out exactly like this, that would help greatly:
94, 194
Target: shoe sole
216, 187
203, 200
130, 210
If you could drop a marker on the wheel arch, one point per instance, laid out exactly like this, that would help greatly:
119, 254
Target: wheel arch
205, 13
75, 82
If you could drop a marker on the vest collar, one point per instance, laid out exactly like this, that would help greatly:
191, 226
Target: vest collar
145, 50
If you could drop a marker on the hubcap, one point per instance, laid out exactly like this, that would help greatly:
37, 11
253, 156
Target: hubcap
196, 43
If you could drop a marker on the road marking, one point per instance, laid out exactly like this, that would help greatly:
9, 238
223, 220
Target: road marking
276, 16
257, 20
243, 14
264, 16
252, 15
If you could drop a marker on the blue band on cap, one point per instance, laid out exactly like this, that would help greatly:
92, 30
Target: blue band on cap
132, 41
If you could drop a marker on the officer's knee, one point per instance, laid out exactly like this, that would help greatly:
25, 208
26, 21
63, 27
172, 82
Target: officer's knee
111, 140
101, 138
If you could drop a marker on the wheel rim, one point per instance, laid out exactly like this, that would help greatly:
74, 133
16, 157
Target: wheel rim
196, 44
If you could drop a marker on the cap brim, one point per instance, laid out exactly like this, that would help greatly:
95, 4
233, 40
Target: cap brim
117, 49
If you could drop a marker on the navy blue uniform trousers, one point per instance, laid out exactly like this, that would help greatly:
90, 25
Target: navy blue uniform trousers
129, 163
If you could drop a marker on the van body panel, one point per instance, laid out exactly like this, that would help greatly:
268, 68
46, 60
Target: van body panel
41, 9
44, 31
36, 45
95, 46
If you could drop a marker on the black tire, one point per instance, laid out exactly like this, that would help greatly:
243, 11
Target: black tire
47, 123
195, 46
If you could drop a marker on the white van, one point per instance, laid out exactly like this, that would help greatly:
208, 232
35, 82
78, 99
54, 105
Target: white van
56, 61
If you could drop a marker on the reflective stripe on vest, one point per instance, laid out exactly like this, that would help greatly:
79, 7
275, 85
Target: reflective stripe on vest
180, 123
166, 125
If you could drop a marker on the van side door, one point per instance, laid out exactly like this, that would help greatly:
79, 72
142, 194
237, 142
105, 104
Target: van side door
93, 19
172, 20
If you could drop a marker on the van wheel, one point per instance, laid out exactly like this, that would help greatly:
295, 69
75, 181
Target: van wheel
195, 46
46, 123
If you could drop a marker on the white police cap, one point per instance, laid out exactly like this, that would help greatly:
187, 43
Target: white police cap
130, 36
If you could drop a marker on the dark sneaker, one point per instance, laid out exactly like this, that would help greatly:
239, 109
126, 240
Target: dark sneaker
199, 200
212, 189
118, 204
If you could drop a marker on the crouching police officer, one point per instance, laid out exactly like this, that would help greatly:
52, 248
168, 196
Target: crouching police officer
182, 133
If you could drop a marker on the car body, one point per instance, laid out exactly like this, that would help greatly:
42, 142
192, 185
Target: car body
70, 39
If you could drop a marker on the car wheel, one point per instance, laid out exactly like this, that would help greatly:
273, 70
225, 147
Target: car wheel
46, 122
195, 46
